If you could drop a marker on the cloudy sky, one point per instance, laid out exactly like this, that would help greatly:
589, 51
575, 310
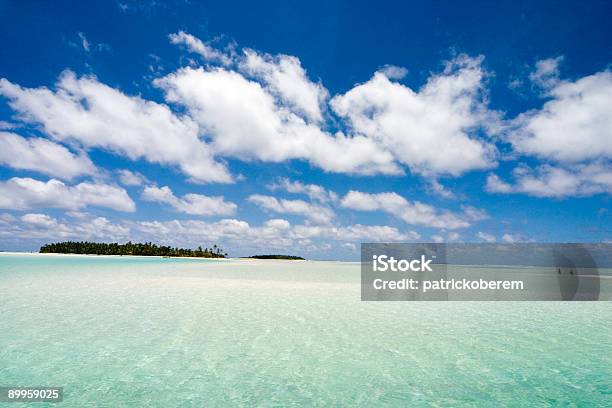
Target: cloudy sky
304, 128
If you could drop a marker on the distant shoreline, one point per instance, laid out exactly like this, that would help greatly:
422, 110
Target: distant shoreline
146, 256
113, 256
232, 260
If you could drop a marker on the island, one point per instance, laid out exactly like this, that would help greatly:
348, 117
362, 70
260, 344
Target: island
288, 257
130, 248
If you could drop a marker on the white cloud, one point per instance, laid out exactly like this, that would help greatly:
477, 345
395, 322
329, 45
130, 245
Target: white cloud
355, 233
278, 224
285, 77
42, 156
196, 45
267, 109
6, 218
515, 84
189, 203
84, 41
450, 237
551, 181
237, 235
88, 46
486, 237
281, 75
393, 71
245, 121
415, 213
432, 131
546, 74
350, 246
473, 213
438, 189
42, 220
97, 116
453, 236
36, 226
26, 193
497, 185
315, 213
313, 191
4, 125
131, 178
273, 235
513, 238
575, 125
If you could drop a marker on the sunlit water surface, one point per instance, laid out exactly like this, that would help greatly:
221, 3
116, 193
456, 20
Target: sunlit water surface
152, 332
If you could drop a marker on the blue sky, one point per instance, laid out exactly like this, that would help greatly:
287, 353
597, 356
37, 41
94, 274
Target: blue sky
304, 128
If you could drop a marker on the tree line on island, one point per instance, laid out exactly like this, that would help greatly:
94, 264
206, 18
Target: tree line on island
146, 249
288, 257
130, 248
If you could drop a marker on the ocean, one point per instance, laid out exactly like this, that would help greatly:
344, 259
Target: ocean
157, 332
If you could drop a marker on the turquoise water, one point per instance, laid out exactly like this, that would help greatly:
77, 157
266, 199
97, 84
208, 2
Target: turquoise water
151, 332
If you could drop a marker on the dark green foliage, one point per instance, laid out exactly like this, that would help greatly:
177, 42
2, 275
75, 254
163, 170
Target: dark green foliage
146, 249
290, 257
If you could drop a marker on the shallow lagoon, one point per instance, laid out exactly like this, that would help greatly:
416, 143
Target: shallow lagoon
155, 332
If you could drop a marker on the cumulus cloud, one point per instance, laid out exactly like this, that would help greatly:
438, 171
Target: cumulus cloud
281, 75
438, 189
256, 106
240, 236
453, 236
473, 213
36, 226
551, 181
273, 234
546, 73
415, 213
245, 121
497, 185
313, 212
4, 125
39, 220
432, 131
181, 231
313, 191
573, 126
571, 134
514, 238
26, 193
97, 116
197, 46
486, 237
42, 156
450, 237
350, 246
355, 233
196, 204
285, 77
131, 178
393, 71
